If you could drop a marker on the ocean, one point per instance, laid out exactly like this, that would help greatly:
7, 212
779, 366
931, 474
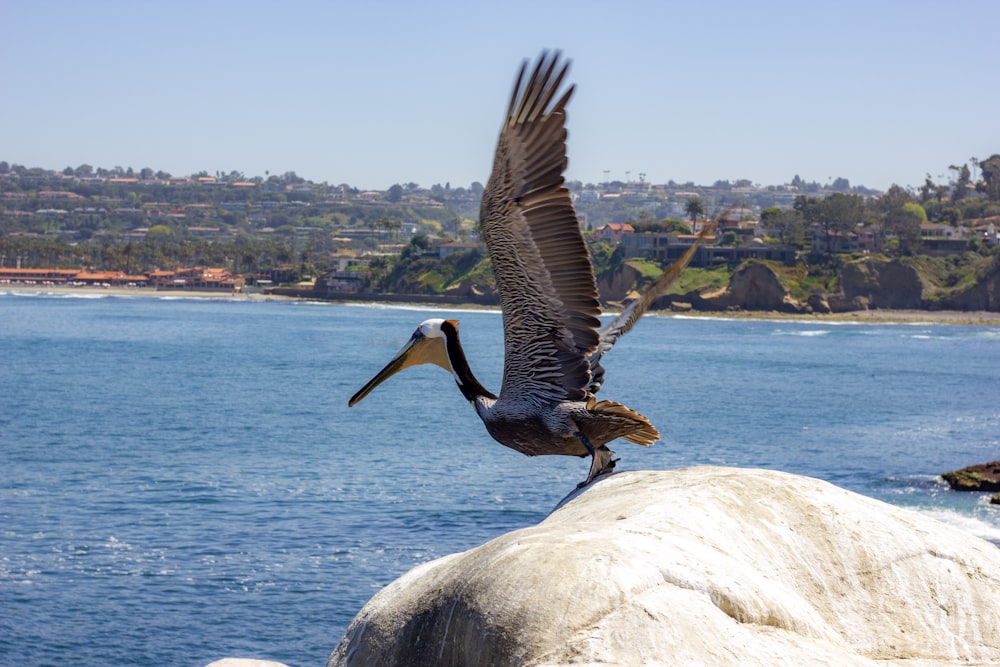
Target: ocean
181, 479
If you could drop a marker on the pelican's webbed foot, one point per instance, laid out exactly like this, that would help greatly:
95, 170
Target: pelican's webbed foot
601, 460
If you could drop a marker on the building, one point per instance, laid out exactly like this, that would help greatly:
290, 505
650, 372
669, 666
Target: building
613, 232
198, 279
667, 247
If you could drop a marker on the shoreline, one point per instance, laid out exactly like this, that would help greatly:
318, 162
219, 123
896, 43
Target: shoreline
146, 292
987, 318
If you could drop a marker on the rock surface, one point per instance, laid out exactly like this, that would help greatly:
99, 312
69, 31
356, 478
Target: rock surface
756, 286
873, 283
984, 295
703, 565
616, 285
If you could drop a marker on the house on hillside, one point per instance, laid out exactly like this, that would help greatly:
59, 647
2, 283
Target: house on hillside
613, 232
834, 242
940, 231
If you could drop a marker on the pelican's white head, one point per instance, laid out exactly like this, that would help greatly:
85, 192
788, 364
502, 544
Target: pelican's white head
427, 345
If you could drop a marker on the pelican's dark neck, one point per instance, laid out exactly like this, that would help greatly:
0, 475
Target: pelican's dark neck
466, 381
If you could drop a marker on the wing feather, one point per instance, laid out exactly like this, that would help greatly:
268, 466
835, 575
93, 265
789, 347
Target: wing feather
542, 267
621, 325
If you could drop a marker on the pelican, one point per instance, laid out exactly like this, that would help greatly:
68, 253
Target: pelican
553, 340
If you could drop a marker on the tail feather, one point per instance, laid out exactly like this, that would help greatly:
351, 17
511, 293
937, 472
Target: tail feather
634, 427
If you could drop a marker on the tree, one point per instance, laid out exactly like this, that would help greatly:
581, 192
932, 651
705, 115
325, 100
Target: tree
962, 185
787, 225
912, 208
393, 225
676, 226
840, 214
771, 217
417, 246
904, 224
928, 190
990, 169
899, 219
694, 208
793, 232
809, 208
395, 194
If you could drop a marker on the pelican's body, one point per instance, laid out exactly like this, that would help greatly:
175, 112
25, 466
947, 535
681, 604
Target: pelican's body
553, 342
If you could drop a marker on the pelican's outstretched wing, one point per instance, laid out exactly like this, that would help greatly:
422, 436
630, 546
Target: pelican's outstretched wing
620, 326
543, 272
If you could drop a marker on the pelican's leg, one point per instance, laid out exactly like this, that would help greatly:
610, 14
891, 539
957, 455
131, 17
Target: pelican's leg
600, 460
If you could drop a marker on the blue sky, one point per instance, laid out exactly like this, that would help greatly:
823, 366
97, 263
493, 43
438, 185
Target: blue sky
374, 93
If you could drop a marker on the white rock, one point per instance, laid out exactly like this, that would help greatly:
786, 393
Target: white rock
702, 566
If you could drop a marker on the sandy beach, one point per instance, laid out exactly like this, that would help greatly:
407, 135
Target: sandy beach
898, 316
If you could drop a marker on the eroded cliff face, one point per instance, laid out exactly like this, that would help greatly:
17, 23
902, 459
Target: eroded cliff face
984, 295
753, 287
619, 284
872, 283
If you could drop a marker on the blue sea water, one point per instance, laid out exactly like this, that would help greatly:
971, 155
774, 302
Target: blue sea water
181, 479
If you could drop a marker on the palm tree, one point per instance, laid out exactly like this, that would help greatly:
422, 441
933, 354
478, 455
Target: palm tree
694, 207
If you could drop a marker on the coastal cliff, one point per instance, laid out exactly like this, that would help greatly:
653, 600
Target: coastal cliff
703, 565
866, 284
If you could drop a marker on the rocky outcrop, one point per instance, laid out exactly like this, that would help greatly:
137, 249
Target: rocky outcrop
981, 477
619, 284
471, 290
872, 283
705, 565
984, 295
753, 286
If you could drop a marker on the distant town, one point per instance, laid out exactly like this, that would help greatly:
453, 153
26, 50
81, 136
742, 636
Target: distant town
229, 232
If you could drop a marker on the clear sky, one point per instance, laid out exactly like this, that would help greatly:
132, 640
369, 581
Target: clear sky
373, 92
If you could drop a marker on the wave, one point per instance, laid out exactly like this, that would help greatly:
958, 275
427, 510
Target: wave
414, 307
808, 333
965, 522
201, 297
44, 294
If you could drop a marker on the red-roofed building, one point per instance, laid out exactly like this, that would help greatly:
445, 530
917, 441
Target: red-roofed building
613, 232
199, 279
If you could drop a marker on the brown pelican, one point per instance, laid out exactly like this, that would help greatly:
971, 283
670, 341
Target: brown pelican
553, 341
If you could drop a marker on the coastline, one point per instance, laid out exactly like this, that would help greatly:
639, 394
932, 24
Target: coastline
987, 318
142, 292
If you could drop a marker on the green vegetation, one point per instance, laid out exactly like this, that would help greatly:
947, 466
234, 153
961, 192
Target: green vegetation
953, 273
804, 280
646, 268
696, 279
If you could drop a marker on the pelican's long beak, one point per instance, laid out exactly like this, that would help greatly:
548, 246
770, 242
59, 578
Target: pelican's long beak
420, 349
